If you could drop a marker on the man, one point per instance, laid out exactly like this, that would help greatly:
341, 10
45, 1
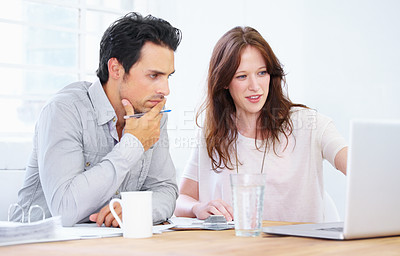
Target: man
86, 153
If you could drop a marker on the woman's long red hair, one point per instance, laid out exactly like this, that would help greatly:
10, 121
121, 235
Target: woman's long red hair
219, 124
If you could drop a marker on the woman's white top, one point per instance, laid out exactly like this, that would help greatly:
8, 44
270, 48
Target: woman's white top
294, 188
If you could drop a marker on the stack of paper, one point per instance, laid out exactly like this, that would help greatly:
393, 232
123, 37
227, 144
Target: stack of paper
50, 230
16, 231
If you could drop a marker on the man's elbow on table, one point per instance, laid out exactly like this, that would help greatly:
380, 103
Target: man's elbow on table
68, 212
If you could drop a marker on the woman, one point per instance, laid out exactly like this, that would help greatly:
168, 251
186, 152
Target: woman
250, 126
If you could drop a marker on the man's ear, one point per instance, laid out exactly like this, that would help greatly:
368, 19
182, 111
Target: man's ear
115, 69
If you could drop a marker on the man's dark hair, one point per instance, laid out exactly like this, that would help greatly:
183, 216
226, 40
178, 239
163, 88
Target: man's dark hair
125, 38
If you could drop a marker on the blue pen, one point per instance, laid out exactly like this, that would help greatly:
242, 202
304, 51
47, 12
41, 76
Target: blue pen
141, 114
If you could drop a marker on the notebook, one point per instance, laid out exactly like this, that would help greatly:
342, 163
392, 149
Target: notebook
373, 186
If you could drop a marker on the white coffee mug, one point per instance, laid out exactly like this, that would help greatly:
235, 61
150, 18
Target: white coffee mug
137, 213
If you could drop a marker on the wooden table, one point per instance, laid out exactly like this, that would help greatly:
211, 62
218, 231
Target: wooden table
202, 242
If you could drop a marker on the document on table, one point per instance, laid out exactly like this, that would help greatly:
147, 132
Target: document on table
213, 222
10, 232
38, 232
77, 232
87, 231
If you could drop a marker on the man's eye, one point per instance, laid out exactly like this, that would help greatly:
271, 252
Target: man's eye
153, 76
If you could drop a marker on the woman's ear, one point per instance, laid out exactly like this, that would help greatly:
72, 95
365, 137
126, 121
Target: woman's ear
115, 69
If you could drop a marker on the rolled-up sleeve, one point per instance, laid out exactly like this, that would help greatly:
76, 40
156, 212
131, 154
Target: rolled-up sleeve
331, 142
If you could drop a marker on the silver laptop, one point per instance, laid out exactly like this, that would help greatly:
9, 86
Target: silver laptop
373, 186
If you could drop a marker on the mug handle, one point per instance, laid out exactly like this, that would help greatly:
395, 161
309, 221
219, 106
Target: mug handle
111, 205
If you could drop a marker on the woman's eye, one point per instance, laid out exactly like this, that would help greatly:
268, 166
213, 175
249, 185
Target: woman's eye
263, 73
241, 77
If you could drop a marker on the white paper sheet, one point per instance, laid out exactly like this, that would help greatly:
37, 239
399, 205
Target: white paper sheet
82, 231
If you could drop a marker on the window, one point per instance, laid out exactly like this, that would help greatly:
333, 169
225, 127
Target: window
47, 44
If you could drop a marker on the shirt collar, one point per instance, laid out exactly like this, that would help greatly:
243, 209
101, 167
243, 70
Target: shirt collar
102, 106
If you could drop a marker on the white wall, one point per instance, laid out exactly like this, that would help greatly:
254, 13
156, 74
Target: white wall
341, 57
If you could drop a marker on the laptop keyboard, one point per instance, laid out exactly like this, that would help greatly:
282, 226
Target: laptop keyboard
336, 229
